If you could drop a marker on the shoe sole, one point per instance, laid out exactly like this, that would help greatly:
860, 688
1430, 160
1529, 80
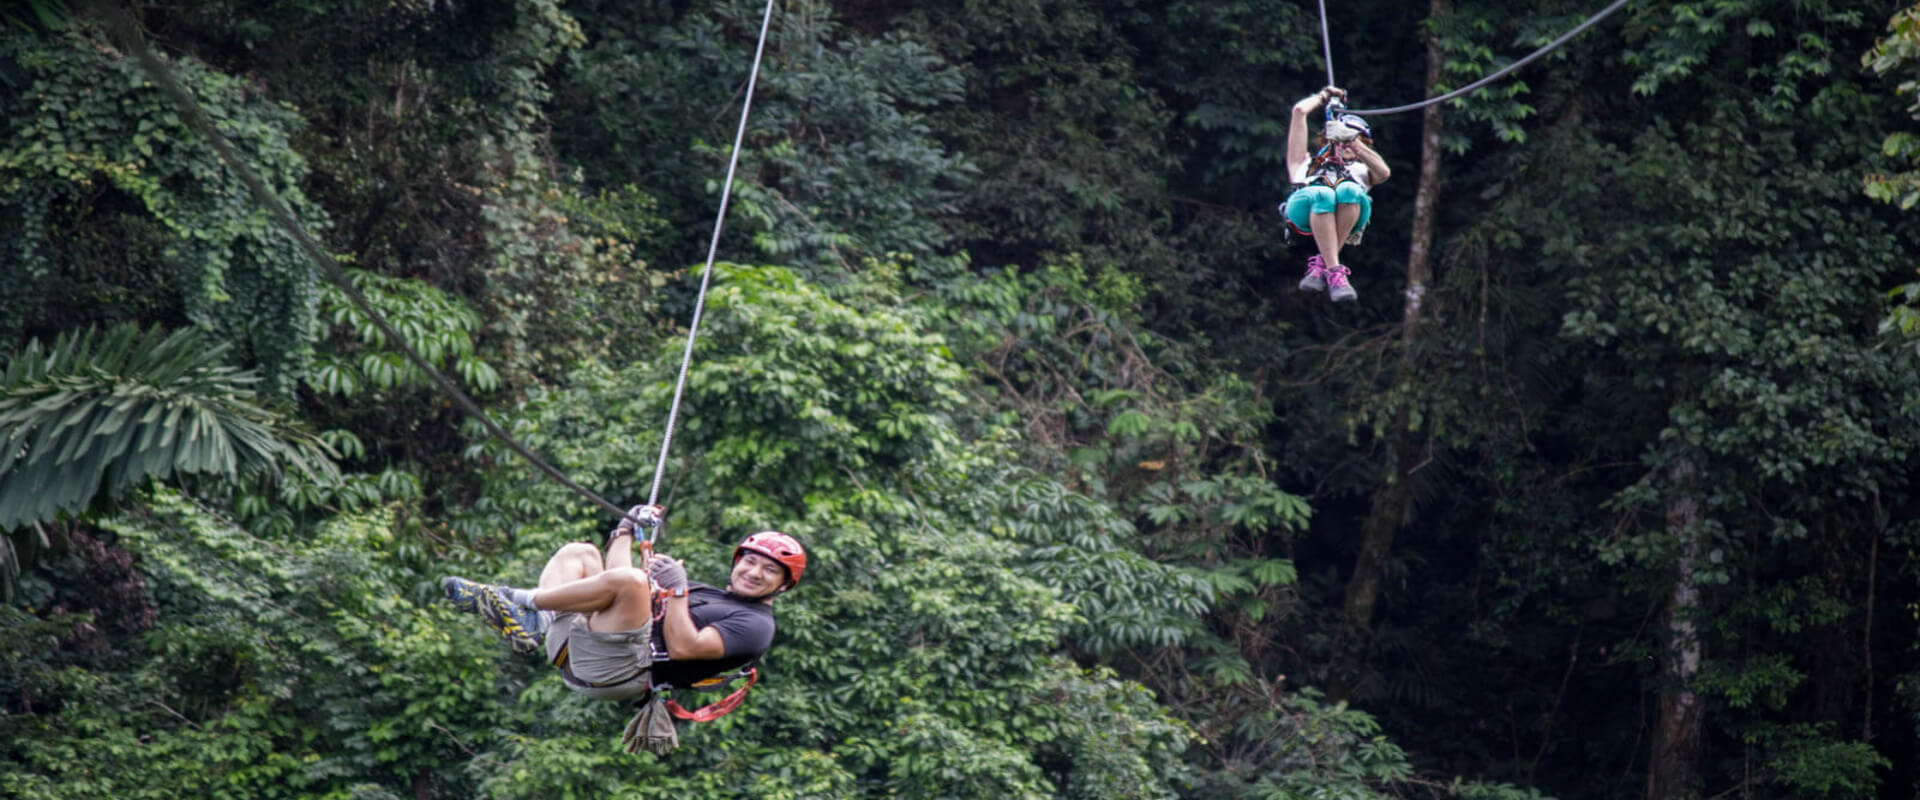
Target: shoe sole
460, 595
493, 608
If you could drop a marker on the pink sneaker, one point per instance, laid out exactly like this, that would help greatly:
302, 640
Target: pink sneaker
1316, 279
1342, 288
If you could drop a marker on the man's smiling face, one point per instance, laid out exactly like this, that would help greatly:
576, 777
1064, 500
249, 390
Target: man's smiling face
756, 576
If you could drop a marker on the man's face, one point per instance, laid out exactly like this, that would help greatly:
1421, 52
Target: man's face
756, 576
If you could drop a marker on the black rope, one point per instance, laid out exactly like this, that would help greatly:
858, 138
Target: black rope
1550, 47
123, 29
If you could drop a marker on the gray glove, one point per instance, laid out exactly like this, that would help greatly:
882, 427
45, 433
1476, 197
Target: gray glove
667, 573
650, 516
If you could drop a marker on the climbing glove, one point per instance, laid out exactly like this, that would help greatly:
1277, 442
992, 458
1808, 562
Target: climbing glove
667, 573
650, 516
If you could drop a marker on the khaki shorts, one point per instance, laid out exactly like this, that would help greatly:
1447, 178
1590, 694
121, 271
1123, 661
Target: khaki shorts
603, 665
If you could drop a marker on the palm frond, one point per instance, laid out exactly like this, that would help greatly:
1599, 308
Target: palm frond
98, 413
53, 15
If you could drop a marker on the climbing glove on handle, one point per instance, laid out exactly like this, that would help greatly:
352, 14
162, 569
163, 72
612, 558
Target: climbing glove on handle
650, 516
667, 573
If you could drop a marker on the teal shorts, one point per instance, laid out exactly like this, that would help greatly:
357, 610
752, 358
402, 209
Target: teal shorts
1317, 199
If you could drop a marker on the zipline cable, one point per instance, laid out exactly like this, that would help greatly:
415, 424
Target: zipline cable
123, 28
1548, 48
1326, 43
713, 246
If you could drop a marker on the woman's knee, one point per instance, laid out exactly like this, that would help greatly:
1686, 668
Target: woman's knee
1318, 199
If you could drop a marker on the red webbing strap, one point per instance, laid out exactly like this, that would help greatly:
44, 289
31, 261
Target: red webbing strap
721, 708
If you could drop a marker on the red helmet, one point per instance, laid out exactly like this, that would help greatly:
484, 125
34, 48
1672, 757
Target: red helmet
779, 547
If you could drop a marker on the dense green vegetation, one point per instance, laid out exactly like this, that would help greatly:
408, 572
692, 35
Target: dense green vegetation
1605, 487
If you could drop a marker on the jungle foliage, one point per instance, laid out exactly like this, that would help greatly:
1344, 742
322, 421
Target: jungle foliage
1004, 330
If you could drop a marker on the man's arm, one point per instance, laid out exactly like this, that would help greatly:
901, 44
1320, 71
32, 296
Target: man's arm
686, 641
619, 549
620, 542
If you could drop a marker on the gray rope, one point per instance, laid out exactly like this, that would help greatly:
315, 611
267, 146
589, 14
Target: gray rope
713, 247
1326, 42
1550, 47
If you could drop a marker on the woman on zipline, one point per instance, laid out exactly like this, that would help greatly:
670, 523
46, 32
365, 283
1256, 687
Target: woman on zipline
601, 626
1330, 200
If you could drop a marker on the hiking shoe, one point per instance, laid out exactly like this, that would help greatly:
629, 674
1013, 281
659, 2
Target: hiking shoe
463, 593
1316, 279
1342, 288
524, 627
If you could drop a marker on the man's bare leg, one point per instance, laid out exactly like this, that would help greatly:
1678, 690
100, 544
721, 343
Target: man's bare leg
618, 599
632, 604
616, 596
571, 563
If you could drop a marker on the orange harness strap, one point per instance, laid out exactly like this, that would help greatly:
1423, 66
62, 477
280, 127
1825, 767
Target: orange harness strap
719, 708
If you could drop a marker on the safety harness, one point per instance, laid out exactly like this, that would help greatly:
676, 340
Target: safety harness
652, 728
1329, 168
718, 708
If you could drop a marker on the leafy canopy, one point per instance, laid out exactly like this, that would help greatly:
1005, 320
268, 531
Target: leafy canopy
99, 412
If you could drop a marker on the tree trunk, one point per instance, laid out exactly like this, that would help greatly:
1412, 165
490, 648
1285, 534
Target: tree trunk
1393, 502
1673, 768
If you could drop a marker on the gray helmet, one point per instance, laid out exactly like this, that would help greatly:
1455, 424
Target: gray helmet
1347, 127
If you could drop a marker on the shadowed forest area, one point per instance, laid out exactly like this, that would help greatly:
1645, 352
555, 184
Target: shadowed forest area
1604, 487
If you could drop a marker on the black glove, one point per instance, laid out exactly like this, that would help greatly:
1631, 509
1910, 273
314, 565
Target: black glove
667, 573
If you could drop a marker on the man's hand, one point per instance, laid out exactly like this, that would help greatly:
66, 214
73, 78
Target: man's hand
649, 516
667, 573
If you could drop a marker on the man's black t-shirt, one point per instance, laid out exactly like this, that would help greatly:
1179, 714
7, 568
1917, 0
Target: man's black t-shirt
746, 626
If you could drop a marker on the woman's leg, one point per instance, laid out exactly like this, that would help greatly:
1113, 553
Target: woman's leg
1353, 208
1326, 236
1344, 218
1311, 208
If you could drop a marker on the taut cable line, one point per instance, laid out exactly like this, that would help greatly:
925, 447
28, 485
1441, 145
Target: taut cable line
1502, 72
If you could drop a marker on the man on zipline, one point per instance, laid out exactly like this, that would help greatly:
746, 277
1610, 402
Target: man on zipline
603, 628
